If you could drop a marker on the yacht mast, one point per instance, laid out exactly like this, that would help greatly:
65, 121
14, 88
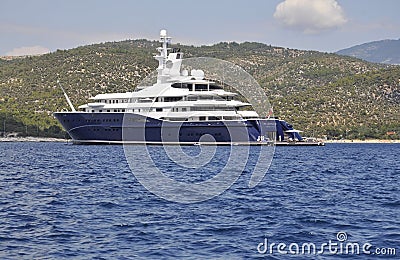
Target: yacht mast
163, 55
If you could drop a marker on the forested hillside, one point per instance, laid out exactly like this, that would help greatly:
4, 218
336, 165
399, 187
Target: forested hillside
320, 93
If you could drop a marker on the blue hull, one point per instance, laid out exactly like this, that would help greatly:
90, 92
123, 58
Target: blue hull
133, 128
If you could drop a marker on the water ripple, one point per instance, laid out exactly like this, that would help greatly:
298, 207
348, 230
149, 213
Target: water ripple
65, 201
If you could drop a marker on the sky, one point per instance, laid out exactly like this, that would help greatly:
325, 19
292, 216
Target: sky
41, 26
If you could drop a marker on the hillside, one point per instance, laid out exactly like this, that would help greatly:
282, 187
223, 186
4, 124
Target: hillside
323, 94
385, 51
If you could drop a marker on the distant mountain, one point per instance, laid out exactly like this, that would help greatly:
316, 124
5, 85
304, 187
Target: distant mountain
385, 51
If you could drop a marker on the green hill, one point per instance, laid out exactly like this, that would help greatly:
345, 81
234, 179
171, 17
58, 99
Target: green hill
323, 94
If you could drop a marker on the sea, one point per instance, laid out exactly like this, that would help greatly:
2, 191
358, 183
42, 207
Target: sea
64, 201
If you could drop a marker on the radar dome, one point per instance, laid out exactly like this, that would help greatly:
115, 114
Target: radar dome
198, 74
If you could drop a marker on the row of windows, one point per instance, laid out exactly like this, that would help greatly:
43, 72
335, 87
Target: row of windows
207, 97
212, 109
106, 129
174, 109
168, 99
194, 98
109, 110
92, 120
112, 101
196, 87
184, 109
111, 120
172, 99
201, 118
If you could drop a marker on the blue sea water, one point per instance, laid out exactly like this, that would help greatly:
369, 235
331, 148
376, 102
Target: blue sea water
83, 202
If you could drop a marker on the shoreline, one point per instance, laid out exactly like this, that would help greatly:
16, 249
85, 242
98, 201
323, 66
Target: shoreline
32, 139
51, 139
357, 141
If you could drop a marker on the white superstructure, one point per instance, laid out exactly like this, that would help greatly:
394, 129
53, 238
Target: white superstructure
178, 95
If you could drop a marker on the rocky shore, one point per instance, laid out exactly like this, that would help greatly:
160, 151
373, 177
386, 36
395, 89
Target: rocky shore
368, 141
31, 139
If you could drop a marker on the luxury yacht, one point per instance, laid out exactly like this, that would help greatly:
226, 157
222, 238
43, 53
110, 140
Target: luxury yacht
182, 107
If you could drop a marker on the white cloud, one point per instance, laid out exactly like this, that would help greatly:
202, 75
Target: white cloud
310, 16
31, 50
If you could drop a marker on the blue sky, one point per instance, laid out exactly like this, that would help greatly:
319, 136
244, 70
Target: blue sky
28, 27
